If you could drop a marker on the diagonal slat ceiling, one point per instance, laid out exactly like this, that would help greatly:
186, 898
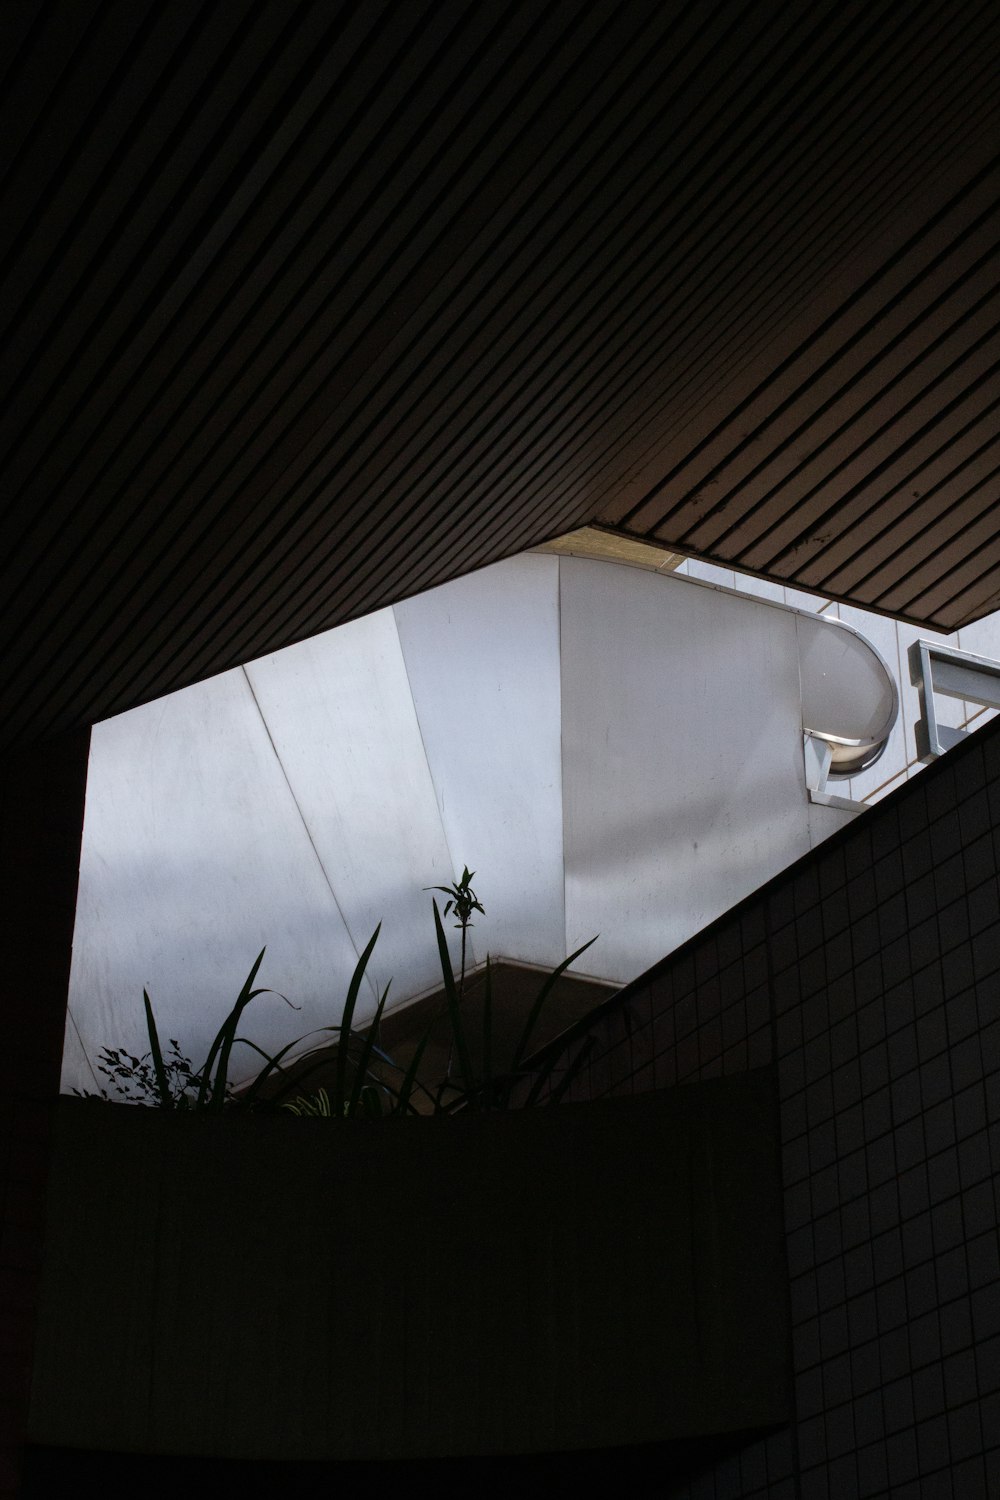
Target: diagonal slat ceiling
865, 467
308, 307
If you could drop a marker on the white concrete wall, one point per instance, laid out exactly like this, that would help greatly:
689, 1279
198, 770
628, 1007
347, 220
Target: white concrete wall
612, 750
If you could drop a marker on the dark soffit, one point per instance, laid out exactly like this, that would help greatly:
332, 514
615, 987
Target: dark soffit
309, 307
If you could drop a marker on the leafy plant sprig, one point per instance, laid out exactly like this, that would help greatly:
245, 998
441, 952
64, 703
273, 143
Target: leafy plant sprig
168, 1080
463, 900
493, 1089
134, 1079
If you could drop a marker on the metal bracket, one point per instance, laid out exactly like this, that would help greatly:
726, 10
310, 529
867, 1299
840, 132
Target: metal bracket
817, 753
953, 674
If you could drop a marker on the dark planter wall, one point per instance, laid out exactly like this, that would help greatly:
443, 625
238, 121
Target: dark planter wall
282, 1288
870, 974
41, 825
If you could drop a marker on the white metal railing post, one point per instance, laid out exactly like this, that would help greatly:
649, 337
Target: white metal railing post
952, 674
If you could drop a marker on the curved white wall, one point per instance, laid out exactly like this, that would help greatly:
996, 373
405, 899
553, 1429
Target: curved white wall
612, 750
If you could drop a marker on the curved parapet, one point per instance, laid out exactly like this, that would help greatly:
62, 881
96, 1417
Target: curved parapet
849, 696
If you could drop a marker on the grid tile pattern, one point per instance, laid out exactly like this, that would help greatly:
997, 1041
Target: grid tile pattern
870, 972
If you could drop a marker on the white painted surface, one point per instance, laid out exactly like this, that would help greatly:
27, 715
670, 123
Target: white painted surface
482, 659
611, 749
341, 718
194, 858
682, 757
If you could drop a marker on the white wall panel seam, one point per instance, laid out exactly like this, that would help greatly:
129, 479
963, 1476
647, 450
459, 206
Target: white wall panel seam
308, 831
71, 1021
192, 846
343, 717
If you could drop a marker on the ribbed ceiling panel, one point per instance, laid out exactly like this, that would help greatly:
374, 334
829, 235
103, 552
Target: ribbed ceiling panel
863, 463
309, 307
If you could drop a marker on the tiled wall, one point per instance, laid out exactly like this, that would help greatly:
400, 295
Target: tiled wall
871, 972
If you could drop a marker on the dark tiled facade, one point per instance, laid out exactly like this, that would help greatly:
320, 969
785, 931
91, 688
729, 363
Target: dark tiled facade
870, 972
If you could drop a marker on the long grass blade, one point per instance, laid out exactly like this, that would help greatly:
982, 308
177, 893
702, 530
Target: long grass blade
539, 1004
224, 1039
564, 1083
361, 1072
293, 1080
162, 1086
221, 1082
272, 1065
353, 990
410, 1081
451, 994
